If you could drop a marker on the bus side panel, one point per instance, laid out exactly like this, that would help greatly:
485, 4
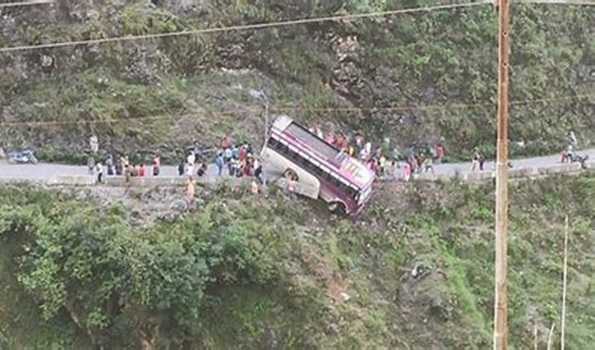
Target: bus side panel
275, 166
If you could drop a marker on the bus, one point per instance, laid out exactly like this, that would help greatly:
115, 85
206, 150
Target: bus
315, 168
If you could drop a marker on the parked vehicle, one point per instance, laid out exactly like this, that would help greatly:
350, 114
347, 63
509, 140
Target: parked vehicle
22, 157
315, 168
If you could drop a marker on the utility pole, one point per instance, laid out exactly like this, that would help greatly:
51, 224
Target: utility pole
564, 283
501, 293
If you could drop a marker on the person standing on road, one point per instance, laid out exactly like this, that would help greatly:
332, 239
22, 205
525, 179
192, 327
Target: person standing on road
227, 155
220, 163
191, 159
118, 168
181, 167
91, 164
406, 171
382, 168
234, 167
109, 163
481, 162
258, 170
243, 152
99, 169
125, 163
235, 152
156, 165
440, 152
394, 165
475, 161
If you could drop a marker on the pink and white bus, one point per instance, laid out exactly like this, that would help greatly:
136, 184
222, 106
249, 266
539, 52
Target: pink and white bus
319, 170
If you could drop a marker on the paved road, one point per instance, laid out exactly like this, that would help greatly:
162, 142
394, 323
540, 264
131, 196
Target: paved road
45, 171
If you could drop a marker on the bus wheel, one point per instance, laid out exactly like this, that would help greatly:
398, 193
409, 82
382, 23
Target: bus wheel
337, 208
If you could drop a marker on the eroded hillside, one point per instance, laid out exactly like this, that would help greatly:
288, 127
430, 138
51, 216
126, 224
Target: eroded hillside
415, 272
438, 68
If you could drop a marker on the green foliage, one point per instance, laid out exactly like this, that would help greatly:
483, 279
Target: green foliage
249, 272
138, 21
94, 266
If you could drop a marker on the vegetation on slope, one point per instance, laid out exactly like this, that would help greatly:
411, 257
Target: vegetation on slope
442, 59
252, 272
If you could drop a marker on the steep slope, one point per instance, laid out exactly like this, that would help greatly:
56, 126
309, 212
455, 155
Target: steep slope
438, 68
416, 272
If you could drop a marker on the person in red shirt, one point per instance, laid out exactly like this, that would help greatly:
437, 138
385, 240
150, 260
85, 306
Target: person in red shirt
141, 170
243, 153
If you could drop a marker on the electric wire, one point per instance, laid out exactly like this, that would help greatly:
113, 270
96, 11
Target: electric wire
244, 27
26, 3
284, 109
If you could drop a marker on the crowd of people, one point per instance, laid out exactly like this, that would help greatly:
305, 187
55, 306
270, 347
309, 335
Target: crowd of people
230, 158
384, 159
239, 160
123, 167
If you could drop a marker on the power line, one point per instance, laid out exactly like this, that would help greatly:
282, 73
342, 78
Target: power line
283, 109
244, 27
27, 3
429, 107
557, 2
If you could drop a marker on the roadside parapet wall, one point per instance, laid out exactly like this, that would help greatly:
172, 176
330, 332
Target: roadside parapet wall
175, 181
120, 181
559, 169
71, 180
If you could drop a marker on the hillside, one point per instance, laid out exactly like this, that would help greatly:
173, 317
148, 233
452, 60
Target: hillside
244, 272
169, 92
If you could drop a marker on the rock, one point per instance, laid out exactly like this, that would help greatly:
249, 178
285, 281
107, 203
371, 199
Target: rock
178, 205
332, 329
419, 270
46, 61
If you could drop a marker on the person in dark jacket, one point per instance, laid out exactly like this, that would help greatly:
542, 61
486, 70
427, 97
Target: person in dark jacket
181, 168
